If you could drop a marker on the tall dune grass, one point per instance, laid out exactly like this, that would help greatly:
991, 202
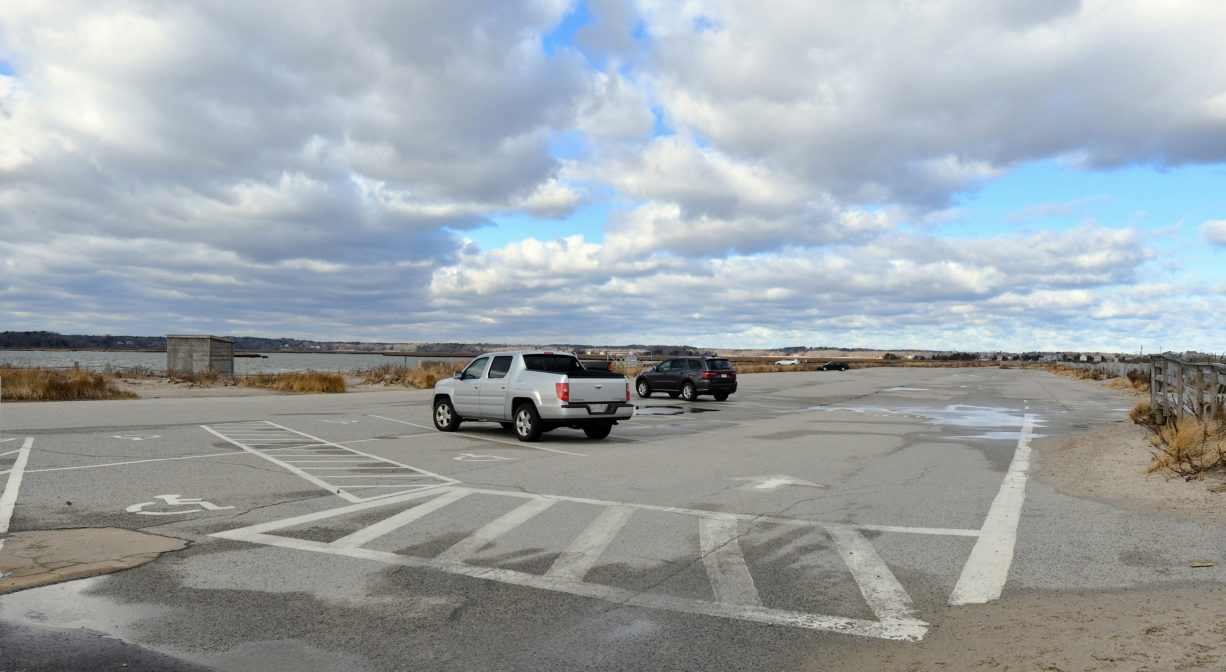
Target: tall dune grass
311, 382
1134, 380
51, 385
420, 377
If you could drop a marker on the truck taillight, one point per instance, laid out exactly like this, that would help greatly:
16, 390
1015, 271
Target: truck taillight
563, 390
627, 390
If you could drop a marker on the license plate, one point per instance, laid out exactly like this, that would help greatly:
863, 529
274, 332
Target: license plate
599, 408
723, 375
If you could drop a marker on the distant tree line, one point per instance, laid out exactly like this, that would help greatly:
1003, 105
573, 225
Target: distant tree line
670, 350
50, 339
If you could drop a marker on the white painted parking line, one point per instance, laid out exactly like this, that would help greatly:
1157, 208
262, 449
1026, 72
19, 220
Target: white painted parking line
735, 594
265, 439
8, 500
984, 575
470, 435
11, 487
128, 462
936, 531
721, 553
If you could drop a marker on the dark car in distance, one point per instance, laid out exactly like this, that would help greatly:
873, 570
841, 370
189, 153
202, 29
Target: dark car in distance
834, 366
688, 377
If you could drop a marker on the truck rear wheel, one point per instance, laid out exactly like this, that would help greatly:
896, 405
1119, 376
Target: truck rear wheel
597, 431
527, 423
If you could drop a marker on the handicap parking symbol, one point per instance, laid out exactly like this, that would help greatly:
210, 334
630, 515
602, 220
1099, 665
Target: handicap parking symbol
199, 506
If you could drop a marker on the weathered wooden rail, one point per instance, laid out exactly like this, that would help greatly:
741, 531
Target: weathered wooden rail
1178, 388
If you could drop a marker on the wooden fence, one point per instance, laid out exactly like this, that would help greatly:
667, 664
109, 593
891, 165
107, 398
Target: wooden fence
1178, 389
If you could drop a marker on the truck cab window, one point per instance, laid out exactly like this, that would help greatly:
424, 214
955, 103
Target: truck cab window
500, 366
475, 369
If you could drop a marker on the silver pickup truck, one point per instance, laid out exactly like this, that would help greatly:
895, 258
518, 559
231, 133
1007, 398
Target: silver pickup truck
533, 391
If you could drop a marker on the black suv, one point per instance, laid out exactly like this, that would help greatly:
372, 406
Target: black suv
689, 377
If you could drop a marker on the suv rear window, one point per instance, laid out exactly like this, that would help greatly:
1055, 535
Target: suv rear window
552, 363
719, 364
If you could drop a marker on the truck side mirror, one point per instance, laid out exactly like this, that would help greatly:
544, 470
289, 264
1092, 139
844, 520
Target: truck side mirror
459, 375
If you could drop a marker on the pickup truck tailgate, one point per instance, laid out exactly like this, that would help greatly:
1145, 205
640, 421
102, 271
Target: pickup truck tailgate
597, 390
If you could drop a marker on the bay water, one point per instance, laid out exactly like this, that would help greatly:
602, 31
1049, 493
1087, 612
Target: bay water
272, 362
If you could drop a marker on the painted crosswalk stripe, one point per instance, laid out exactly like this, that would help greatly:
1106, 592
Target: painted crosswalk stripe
469, 547
369, 534
735, 594
334, 467
726, 568
578, 559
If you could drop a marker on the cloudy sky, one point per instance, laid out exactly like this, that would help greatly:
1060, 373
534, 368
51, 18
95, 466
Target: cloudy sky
945, 174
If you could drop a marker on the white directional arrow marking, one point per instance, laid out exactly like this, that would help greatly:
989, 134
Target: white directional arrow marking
771, 482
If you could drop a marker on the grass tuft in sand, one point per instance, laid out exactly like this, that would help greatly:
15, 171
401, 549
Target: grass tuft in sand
1188, 447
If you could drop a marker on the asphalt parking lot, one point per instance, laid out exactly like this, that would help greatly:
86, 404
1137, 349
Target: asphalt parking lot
809, 512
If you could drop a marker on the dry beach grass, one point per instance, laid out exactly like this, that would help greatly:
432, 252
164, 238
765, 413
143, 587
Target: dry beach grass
17, 384
35, 384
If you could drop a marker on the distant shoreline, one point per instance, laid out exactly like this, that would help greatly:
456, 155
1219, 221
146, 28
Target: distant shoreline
240, 353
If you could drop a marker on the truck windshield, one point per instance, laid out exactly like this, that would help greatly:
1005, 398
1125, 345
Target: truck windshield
552, 363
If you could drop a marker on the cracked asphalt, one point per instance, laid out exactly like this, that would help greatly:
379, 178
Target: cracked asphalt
810, 512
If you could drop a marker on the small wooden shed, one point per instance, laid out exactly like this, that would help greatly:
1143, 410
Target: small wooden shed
195, 353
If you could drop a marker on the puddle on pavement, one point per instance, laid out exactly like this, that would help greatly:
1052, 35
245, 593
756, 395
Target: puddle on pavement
71, 605
671, 410
957, 415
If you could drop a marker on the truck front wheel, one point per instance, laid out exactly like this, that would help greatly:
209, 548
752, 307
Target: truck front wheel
445, 417
527, 423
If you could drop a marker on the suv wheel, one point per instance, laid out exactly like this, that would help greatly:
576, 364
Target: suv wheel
689, 392
644, 389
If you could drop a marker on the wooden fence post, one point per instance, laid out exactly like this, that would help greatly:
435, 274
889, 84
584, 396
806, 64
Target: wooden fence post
1177, 381
1157, 369
1202, 404
1215, 404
